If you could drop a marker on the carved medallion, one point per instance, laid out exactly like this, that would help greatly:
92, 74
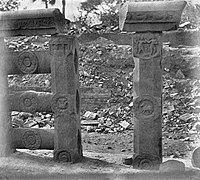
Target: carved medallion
31, 140
62, 155
28, 101
146, 45
27, 62
146, 161
146, 107
59, 103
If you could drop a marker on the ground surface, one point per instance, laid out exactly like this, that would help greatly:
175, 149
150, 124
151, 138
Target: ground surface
103, 154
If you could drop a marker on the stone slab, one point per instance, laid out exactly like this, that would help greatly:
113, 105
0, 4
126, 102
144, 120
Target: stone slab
28, 62
30, 101
150, 16
32, 22
32, 138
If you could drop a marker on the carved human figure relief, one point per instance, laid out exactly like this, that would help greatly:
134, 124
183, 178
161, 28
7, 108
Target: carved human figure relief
146, 45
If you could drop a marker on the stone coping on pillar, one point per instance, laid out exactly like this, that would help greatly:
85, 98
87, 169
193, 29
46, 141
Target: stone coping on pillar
32, 22
150, 16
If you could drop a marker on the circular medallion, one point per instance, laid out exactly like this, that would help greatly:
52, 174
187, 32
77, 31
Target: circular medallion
146, 107
28, 101
27, 62
31, 140
62, 155
59, 103
146, 161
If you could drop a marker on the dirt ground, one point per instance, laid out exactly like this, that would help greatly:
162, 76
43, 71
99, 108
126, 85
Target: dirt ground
103, 154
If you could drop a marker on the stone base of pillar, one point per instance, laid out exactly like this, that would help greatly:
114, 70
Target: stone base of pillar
145, 161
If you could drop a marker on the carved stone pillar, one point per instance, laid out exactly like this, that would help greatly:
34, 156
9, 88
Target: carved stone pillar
5, 119
148, 20
147, 49
66, 100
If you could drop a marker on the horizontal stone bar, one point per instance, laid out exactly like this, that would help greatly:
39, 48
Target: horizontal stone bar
32, 22
91, 97
28, 62
30, 101
150, 16
32, 138
175, 38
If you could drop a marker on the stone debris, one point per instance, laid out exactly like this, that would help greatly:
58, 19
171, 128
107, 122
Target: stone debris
196, 157
124, 124
172, 166
90, 115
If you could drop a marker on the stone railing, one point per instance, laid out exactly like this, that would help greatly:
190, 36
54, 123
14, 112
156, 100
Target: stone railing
63, 100
148, 20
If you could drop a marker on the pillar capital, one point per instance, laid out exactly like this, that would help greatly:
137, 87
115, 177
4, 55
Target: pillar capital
150, 16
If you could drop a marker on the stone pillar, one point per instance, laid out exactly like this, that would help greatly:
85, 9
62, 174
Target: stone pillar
5, 119
147, 49
66, 99
148, 20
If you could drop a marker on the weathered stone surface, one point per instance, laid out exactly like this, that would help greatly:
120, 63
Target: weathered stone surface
150, 16
30, 101
66, 100
196, 157
172, 166
148, 20
31, 22
91, 97
146, 161
5, 119
147, 104
31, 138
28, 62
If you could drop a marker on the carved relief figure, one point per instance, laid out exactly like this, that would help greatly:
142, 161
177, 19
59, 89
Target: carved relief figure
146, 107
146, 45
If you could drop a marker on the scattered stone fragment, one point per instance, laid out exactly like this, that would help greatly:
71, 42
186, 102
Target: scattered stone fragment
25, 115
101, 120
14, 113
17, 121
35, 126
48, 115
90, 122
90, 129
98, 130
124, 124
196, 157
108, 122
172, 166
90, 115
47, 126
106, 130
180, 75
30, 123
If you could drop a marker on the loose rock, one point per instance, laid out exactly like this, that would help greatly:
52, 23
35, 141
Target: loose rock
196, 157
172, 166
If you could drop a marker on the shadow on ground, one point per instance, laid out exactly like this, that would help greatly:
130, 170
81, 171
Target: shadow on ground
29, 164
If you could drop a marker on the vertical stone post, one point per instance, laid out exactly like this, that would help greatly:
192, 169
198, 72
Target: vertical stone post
66, 99
148, 20
5, 119
147, 49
